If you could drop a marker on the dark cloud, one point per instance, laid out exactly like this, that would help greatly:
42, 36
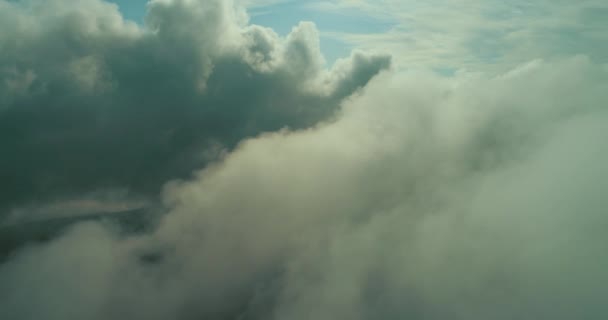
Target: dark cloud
89, 101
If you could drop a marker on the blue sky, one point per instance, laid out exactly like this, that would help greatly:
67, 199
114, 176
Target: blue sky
132, 9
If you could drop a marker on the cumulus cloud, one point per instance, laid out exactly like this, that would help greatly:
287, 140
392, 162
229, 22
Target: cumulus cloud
470, 197
92, 102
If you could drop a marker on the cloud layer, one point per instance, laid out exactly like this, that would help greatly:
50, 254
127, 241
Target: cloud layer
471, 197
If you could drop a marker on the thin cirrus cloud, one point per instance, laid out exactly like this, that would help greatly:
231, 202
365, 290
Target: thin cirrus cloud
480, 195
477, 35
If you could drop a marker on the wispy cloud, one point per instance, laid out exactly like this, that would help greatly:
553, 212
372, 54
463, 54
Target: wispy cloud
479, 34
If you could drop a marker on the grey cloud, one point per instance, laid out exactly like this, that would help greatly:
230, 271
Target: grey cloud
89, 101
472, 197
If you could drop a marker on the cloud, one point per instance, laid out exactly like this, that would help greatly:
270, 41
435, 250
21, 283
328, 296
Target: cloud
340, 193
468, 197
477, 35
90, 102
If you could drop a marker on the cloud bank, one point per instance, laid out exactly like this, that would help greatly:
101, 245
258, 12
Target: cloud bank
475, 196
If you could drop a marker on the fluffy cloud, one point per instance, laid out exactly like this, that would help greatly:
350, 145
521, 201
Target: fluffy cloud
91, 102
470, 197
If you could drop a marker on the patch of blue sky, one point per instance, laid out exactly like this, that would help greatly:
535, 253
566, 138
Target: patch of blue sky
334, 49
134, 10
